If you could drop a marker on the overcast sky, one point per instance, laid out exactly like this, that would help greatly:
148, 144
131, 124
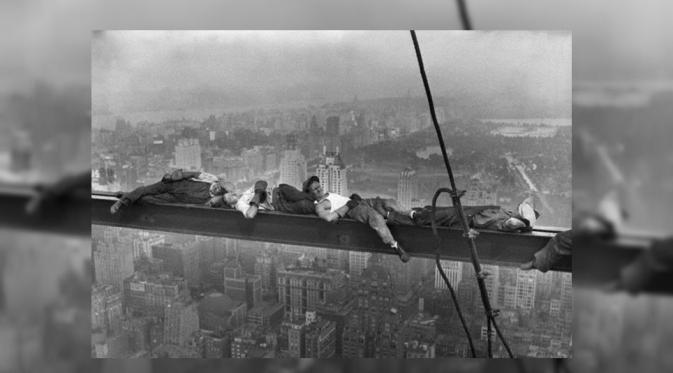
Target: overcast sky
131, 69
49, 40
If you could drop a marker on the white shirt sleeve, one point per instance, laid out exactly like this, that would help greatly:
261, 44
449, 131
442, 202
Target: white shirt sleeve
243, 203
206, 177
528, 212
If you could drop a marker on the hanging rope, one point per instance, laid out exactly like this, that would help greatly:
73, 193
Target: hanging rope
468, 233
433, 222
464, 16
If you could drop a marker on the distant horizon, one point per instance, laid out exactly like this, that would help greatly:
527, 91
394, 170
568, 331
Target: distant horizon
199, 114
498, 73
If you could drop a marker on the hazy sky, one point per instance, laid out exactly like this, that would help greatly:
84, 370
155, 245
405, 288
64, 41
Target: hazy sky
131, 69
49, 40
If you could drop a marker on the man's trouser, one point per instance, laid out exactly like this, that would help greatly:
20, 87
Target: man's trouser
182, 191
365, 213
291, 200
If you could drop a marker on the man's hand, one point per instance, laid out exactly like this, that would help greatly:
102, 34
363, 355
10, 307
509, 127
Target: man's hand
173, 176
217, 201
352, 203
528, 265
472, 234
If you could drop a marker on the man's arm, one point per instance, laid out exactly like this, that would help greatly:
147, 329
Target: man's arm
180, 174
203, 176
323, 210
249, 210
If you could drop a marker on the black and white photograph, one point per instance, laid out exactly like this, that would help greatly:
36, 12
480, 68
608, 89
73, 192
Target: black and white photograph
272, 194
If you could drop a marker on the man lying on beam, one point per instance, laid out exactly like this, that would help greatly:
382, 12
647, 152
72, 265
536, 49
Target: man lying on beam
198, 188
289, 199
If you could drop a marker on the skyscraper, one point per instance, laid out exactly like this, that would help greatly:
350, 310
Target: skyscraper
106, 309
332, 132
149, 294
333, 173
181, 319
453, 271
265, 266
357, 262
320, 339
407, 188
507, 287
241, 286
491, 281
188, 154
181, 260
525, 289
292, 164
142, 245
301, 290
113, 262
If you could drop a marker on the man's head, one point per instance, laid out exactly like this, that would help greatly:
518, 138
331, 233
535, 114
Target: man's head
220, 188
231, 198
514, 224
315, 190
307, 183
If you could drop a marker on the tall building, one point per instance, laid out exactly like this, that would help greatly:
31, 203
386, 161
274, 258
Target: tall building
296, 333
181, 320
491, 281
453, 271
113, 262
106, 309
188, 154
339, 309
142, 245
292, 164
182, 260
332, 132
147, 294
253, 290
333, 173
525, 289
357, 262
354, 339
407, 188
375, 296
241, 286
507, 288
301, 290
320, 339
265, 267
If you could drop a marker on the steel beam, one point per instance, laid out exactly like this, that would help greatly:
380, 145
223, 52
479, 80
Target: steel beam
598, 263
494, 247
67, 214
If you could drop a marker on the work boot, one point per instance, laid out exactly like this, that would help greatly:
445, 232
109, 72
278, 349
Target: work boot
404, 257
419, 217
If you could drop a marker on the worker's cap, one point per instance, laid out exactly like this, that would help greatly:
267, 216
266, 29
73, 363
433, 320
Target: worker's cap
308, 182
527, 212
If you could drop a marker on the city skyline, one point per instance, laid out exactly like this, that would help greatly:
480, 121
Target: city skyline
347, 107
208, 297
